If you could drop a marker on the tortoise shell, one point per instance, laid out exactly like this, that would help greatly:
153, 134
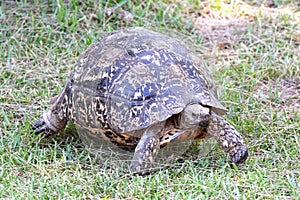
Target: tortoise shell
134, 78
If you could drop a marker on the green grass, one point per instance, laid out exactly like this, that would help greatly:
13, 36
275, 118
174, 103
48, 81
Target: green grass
257, 74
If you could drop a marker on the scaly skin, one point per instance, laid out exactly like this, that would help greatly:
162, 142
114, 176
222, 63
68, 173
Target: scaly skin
147, 149
50, 123
228, 138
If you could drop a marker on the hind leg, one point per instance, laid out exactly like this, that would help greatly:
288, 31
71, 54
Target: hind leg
50, 123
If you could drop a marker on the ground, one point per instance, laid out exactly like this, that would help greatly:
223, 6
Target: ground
251, 49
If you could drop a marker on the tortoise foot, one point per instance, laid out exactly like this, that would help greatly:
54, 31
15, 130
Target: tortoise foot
50, 123
238, 154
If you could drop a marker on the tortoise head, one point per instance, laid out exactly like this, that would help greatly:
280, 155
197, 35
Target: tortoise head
194, 116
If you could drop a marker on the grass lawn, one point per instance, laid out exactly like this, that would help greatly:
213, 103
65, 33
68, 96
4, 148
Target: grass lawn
251, 48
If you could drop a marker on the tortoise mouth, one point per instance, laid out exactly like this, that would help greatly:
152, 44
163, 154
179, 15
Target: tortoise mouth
204, 123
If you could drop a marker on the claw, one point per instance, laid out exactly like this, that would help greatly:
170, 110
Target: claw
38, 124
49, 124
244, 155
239, 154
41, 126
43, 129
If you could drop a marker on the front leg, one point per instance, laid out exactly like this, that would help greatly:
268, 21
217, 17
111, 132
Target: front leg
228, 138
147, 149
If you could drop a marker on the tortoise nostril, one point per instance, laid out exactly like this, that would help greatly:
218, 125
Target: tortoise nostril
204, 123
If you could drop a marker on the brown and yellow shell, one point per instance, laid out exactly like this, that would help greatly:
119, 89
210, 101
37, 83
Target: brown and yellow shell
135, 78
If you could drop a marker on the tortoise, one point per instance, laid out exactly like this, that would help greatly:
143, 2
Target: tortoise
142, 90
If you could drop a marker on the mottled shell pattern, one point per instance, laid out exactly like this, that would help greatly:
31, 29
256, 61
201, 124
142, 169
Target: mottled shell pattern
134, 78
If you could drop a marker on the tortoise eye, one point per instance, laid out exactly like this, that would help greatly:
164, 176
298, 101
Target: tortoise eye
195, 115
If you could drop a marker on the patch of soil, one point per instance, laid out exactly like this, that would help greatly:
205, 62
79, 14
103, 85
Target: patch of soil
282, 93
224, 28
